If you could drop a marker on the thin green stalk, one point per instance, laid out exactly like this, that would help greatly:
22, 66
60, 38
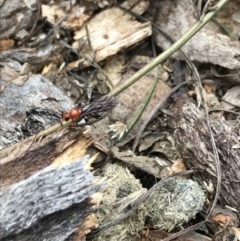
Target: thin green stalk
169, 51
144, 105
223, 28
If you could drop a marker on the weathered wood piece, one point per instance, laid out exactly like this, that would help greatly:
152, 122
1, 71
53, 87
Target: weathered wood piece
207, 46
27, 157
194, 144
16, 16
23, 93
35, 56
49, 205
39, 200
111, 31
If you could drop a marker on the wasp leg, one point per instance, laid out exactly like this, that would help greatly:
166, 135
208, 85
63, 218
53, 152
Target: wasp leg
87, 122
96, 116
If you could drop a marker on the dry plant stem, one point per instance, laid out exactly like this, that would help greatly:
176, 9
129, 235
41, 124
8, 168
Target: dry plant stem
169, 51
218, 167
215, 151
199, 6
49, 131
34, 25
229, 111
94, 64
144, 105
89, 43
101, 147
150, 116
188, 61
49, 37
207, 7
8, 82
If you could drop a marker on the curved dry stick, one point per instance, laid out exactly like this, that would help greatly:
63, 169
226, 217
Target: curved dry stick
34, 25
156, 108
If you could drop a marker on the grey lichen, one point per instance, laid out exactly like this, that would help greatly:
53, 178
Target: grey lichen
123, 189
175, 203
170, 203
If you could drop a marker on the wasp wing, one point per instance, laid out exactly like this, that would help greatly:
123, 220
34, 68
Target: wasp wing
97, 108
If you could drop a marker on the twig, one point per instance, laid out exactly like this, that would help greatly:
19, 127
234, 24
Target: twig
199, 6
219, 109
229, 103
45, 40
156, 108
218, 166
208, 7
82, 55
34, 25
144, 105
89, 43
147, 99
215, 151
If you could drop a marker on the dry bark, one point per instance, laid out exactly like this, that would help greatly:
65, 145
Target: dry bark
194, 144
40, 200
27, 157
16, 16
50, 199
20, 97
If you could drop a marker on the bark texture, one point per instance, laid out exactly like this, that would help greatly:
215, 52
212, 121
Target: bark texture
49, 205
45, 187
194, 144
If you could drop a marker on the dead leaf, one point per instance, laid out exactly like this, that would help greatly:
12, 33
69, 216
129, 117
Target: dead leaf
155, 235
232, 96
194, 236
150, 165
224, 217
164, 148
210, 88
210, 99
178, 166
52, 13
150, 139
6, 44
46, 68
